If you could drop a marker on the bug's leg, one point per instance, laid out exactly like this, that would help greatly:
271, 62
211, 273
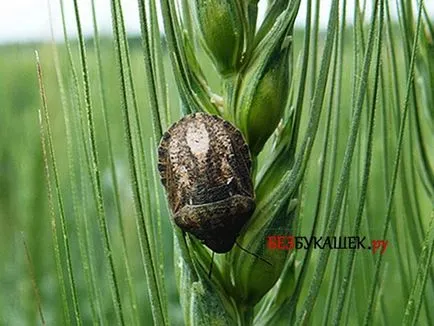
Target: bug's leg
211, 265
253, 254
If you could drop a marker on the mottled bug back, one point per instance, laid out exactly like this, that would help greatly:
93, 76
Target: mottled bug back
205, 166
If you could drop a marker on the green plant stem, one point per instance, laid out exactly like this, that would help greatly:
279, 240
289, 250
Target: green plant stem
45, 120
145, 245
96, 173
341, 188
372, 297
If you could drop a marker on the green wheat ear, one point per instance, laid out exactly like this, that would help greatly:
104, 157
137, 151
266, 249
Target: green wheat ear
339, 124
257, 76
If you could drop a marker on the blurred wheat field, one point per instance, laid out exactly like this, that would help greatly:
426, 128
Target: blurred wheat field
28, 278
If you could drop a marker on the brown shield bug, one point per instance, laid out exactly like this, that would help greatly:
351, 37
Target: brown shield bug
205, 167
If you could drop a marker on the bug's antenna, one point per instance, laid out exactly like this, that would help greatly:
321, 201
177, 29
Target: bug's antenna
253, 254
210, 266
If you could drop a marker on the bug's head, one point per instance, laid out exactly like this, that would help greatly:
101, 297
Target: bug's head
217, 224
221, 243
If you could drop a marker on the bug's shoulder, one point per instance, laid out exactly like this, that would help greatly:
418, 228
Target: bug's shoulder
238, 143
174, 133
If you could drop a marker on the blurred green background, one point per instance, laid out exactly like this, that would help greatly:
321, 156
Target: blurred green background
30, 281
24, 208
